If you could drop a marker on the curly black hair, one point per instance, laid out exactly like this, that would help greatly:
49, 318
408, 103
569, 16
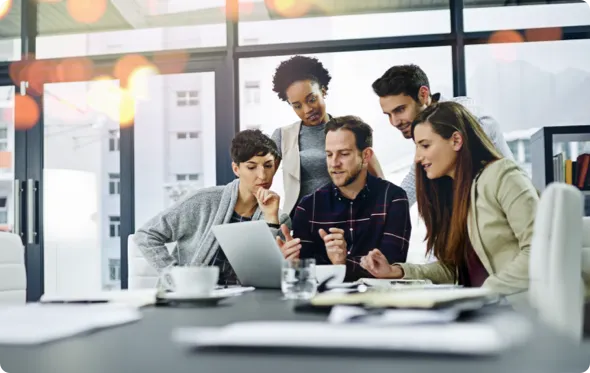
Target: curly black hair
251, 143
402, 79
299, 68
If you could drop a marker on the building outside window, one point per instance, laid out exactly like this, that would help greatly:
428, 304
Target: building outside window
187, 98
114, 141
3, 139
252, 92
114, 184
114, 226
115, 269
185, 177
3, 210
187, 135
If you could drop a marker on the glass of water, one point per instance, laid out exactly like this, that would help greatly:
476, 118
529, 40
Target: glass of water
298, 279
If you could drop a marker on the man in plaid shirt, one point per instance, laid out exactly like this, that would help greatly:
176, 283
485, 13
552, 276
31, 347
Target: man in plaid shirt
355, 213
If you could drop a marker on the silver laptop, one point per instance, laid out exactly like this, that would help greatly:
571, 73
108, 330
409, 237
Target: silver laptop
252, 252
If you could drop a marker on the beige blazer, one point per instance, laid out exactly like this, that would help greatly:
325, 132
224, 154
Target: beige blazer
291, 164
500, 227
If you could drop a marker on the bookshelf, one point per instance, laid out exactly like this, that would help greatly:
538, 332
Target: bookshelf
542, 153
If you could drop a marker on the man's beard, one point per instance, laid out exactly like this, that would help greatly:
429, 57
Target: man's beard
352, 178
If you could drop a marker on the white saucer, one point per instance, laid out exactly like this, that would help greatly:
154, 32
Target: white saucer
212, 297
204, 299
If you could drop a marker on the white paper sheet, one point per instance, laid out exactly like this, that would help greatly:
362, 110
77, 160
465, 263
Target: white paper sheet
137, 298
490, 335
36, 323
345, 314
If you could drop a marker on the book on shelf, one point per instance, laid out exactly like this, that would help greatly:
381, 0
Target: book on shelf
573, 172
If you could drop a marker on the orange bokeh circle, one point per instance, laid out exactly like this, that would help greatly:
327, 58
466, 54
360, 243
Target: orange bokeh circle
87, 11
26, 112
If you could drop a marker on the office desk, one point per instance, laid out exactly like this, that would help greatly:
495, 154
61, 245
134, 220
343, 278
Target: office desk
146, 347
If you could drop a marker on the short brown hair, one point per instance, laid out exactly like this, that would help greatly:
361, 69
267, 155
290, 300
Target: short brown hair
251, 143
363, 133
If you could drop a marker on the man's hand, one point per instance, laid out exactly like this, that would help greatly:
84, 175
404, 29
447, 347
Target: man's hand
376, 264
335, 245
268, 202
291, 247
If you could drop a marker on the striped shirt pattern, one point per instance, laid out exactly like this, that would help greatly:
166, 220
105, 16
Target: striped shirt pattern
378, 218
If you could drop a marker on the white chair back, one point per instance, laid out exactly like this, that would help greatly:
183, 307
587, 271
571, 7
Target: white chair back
141, 275
586, 251
556, 287
13, 275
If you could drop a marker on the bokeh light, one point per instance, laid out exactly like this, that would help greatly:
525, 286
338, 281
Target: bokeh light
74, 70
138, 84
126, 108
87, 11
289, 8
106, 97
16, 70
26, 112
171, 62
243, 8
504, 44
5, 6
543, 34
126, 65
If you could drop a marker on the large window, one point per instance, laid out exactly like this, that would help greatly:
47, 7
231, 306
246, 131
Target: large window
280, 21
174, 143
526, 86
122, 26
81, 191
6, 157
510, 15
10, 27
350, 92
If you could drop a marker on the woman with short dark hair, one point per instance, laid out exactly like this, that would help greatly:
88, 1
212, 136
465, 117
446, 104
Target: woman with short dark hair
188, 222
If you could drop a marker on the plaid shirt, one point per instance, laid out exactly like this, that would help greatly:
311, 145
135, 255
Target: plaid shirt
378, 218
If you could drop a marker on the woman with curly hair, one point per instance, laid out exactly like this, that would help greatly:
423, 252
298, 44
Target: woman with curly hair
303, 82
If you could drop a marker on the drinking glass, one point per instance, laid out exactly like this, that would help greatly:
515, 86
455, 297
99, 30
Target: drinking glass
298, 279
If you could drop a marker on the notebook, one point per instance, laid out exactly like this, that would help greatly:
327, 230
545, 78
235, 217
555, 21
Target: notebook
410, 298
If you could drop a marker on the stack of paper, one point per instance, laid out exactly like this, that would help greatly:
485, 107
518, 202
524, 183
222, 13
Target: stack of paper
488, 335
36, 323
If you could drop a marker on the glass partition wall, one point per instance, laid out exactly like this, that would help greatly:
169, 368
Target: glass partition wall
114, 111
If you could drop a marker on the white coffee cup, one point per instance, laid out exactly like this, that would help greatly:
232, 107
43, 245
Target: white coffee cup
194, 280
323, 272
